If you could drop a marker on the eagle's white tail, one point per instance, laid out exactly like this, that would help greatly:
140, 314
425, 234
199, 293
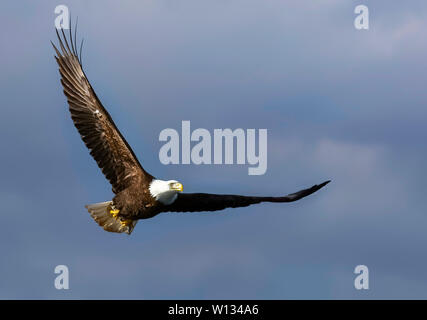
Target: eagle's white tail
101, 213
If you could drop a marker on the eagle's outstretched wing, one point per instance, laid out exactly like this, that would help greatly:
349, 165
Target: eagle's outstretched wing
106, 144
191, 202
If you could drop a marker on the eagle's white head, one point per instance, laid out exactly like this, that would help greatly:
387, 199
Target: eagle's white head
165, 191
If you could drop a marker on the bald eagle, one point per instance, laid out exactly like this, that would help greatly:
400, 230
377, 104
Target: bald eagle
137, 194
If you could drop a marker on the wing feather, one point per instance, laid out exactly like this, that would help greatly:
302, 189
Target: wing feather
107, 146
192, 202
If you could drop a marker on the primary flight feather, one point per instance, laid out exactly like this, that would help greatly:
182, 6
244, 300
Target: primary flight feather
138, 195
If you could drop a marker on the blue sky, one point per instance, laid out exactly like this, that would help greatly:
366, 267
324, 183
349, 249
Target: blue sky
338, 104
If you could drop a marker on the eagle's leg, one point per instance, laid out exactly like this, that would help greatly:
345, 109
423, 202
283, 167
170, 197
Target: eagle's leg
114, 212
126, 223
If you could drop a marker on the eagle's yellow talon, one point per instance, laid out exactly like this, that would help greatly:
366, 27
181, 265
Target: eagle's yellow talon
125, 223
115, 213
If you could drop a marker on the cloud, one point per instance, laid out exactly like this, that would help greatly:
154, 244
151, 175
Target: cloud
338, 104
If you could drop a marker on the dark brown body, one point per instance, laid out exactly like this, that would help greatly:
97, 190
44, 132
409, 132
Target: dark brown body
136, 202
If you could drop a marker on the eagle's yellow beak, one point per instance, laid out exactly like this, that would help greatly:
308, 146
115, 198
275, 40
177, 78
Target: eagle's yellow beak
177, 186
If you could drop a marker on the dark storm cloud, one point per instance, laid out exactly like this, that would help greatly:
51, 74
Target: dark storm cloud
338, 103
